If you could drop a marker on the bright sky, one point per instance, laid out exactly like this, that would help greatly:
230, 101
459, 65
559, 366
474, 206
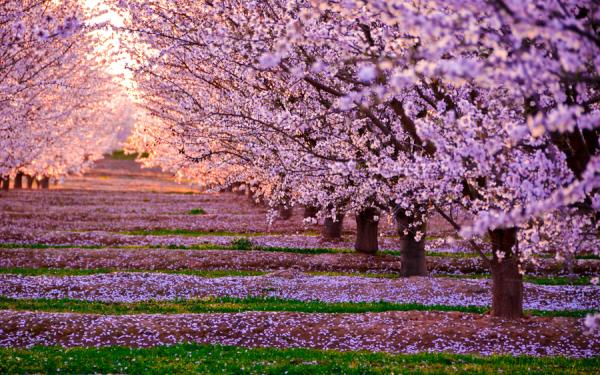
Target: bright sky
118, 67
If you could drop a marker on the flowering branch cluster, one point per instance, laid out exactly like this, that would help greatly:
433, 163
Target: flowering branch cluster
492, 106
57, 101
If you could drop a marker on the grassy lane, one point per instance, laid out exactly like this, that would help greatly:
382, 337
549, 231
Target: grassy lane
211, 359
229, 305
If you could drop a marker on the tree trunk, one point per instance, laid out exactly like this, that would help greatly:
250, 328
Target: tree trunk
366, 231
5, 183
44, 183
413, 261
19, 180
332, 228
285, 212
507, 281
30, 180
241, 189
310, 211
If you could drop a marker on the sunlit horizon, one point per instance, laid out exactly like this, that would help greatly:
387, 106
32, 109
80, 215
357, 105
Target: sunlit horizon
113, 44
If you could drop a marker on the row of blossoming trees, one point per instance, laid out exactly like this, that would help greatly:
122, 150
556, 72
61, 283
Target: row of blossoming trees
373, 107
58, 104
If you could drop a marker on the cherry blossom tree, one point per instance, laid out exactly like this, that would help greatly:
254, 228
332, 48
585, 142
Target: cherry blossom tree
305, 148
397, 107
55, 91
508, 93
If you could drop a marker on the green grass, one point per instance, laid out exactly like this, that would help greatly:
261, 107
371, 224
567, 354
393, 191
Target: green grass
213, 359
229, 305
196, 211
204, 246
242, 244
557, 280
539, 280
245, 244
588, 256
121, 155
235, 245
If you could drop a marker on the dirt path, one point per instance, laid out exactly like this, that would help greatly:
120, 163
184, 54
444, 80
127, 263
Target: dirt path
118, 196
406, 332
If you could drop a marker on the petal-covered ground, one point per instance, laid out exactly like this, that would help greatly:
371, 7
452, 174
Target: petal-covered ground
406, 332
134, 287
173, 259
140, 220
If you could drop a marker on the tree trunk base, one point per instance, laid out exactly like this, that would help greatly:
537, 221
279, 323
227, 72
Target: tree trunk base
310, 211
19, 180
285, 212
30, 180
413, 260
507, 289
367, 231
507, 281
332, 229
5, 183
44, 183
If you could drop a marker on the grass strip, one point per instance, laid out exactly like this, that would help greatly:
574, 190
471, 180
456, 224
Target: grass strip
242, 243
213, 359
237, 244
539, 280
231, 305
121, 155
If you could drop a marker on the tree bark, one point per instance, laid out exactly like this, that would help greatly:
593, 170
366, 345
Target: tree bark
507, 281
366, 231
285, 212
241, 189
44, 183
5, 183
332, 228
30, 180
19, 180
412, 250
310, 211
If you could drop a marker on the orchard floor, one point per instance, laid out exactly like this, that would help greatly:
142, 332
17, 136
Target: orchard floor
126, 257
